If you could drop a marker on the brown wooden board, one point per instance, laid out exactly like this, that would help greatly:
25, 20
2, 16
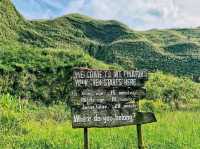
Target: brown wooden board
102, 95
107, 98
108, 78
110, 117
84, 73
112, 82
106, 106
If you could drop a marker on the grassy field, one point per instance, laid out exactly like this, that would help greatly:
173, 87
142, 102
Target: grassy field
27, 125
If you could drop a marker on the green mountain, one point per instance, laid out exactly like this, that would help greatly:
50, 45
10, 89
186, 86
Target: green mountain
10, 20
32, 49
175, 50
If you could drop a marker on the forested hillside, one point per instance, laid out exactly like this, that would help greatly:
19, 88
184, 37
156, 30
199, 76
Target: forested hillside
175, 51
31, 51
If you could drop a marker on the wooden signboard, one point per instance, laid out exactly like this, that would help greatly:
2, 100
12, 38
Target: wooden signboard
106, 95
107, 98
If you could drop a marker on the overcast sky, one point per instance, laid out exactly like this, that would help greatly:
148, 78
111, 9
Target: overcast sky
138, 14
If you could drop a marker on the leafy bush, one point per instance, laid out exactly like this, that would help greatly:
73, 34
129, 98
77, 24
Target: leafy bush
154, 106
172, 89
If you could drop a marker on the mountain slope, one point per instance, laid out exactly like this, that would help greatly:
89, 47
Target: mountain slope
174, 50
36, 57
10, 20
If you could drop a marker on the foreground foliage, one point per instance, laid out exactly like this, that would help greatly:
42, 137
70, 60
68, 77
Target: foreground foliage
36, 57
24, 124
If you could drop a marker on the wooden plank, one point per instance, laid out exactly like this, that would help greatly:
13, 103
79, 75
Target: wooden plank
105, 107
109, 117
91, 96
107, 98
109, 92
85, 73
145, 117
103, 82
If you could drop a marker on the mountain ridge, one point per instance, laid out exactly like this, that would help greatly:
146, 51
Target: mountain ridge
171, 50
37, 57
11, 19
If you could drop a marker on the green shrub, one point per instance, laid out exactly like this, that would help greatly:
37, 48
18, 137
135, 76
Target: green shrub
154, 106
171, 89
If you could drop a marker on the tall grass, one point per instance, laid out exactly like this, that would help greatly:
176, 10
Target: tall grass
27, 125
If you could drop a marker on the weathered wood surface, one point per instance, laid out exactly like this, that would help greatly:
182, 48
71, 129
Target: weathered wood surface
108, 78
103, 82
109, 74
106, 98
96, 107
110, 91
106, 95
110, 118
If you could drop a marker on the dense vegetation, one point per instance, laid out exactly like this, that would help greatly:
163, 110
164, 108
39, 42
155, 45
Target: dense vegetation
24, 124
41, 74
175, 51
37, 54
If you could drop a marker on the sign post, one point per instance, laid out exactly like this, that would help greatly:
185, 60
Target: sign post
86, 146
139, 135
139, 132
107, 98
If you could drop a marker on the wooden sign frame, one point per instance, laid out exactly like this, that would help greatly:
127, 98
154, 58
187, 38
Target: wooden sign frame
108, 98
